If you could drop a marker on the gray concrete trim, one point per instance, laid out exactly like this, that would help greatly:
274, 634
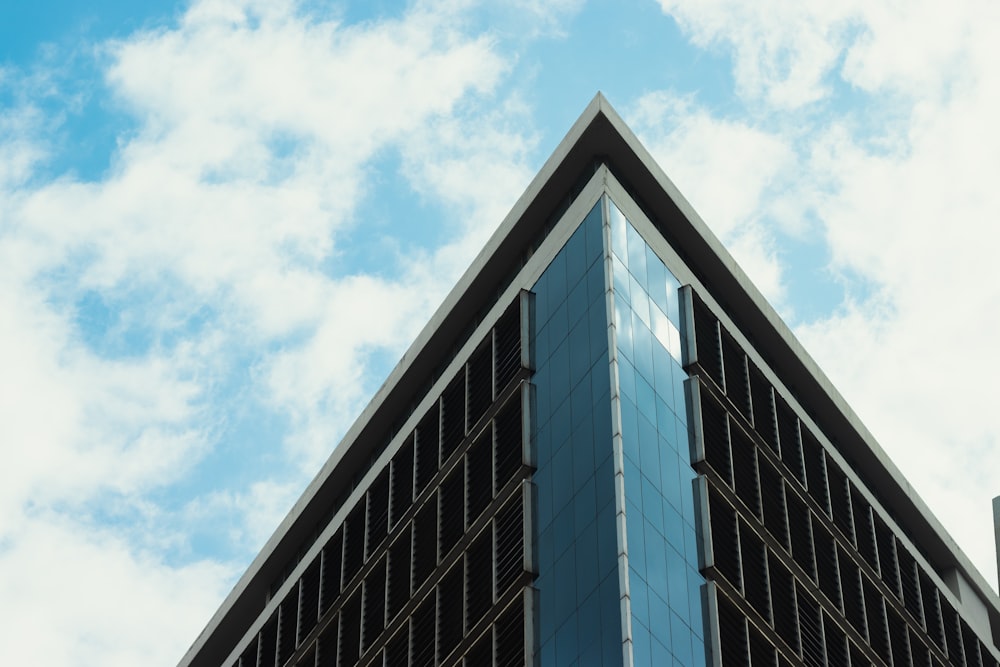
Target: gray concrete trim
617, 443
529, 561
996, 530
702, 514
531, 630
696, 431
714, 642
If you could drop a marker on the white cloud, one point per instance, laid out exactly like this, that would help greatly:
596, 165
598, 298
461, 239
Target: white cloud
893, 106
918, 49
213, 240
19, 152
727, 170
246, 517
80, 423
782, 49
476, 165
919, 224
79, 595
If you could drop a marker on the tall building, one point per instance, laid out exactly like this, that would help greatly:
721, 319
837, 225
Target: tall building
605, 448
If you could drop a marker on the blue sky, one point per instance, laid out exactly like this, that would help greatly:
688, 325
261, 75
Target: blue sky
201, 203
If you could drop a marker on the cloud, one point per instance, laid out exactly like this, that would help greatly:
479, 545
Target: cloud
782, 49
916, 49
890, 109
917, 358
475, 164
706, 156
79, 595
150, 310
19, 153
81, 423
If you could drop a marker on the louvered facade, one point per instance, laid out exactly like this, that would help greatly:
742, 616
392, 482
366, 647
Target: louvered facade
606, 449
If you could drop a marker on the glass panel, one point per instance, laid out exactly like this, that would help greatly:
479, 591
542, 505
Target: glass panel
576, 540
661, 545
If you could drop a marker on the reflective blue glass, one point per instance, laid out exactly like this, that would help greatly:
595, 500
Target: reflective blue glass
649, 446
558, 324
562, 478
642, 342
663, 377
579, 352
589, 629
580, 405
577, 260
661, 327
630, 430
652, 509
607, 551
670, 465
673, 303
587, 567
677, 581
563, 529
680, 639
585, 505
623, 326
579, 595
641, 654
559, 369
566, 643
636, 537
557, 279
639, 599
656, 465
594, 228
656, 283
577, 302
543, 477
598, 333
673, 524
619, 233
595, 282
660, 654
559, 423
636, 254
620, 277
583, 449
576, 539
645, 399
639, 300
626, 379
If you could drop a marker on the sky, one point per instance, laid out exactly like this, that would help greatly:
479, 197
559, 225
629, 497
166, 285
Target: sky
223, 221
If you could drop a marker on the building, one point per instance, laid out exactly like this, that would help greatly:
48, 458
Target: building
606, 448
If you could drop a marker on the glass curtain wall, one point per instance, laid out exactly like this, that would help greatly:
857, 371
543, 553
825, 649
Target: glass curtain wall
661, 555
616, 545
578, 618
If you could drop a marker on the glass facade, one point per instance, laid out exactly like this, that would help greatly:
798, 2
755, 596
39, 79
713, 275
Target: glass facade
579, 620
664, 584
617, 571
